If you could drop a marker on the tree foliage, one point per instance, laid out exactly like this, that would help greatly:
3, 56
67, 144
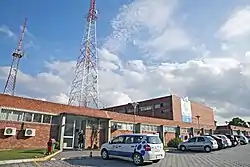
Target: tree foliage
238, 122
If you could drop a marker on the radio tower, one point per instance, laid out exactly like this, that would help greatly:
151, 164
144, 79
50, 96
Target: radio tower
84, 89
10, 84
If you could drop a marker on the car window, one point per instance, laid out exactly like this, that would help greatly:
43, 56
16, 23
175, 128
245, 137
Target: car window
192, 139
153, 140
137, 139
119, 139
129, 140
200, 139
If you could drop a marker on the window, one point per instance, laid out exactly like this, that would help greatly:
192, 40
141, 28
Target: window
170, 129
201, 139
153, 140
157, 106
27, 117
37, 118
117, 140
145, 108
15, 116
129, 140
4, 114
46, 119
137, 139
130, 110
192, 140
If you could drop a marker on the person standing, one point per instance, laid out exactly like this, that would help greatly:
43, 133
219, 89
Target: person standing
81, 138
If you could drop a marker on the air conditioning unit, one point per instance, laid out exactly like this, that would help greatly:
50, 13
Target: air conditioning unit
9, 131
30, 132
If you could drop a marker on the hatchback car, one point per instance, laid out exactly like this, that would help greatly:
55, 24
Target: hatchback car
233, 139
243, 139
199, 143
226, 140
219, 141
134, 147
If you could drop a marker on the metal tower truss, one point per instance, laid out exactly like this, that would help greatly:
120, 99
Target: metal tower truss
10, 84
84, 89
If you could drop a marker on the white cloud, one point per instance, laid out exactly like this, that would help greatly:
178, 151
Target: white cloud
237, 25
6, 30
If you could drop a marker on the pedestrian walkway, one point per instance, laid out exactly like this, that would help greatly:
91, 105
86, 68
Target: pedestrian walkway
74, 154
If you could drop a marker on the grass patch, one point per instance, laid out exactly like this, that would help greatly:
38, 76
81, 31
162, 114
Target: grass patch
22, 154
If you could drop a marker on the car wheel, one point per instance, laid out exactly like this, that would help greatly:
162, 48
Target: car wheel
155, 161
183, 148
242, 143
207, 149
105, 154
137, 159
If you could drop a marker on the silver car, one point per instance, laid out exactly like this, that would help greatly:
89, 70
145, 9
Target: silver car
199, 143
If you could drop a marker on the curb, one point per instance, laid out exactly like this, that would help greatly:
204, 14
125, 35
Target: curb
30, 160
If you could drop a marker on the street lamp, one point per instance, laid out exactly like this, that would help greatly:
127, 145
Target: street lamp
134, 104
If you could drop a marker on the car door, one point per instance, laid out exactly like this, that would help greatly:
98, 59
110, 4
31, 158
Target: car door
199, 145
191, 143
129, 145
115, 146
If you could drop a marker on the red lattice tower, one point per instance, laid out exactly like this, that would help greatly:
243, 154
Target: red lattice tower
84, 89
10, 84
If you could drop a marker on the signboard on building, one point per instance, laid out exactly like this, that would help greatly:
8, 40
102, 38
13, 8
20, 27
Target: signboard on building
186, 111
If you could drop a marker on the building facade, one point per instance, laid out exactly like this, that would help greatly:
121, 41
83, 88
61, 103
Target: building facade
231, 129
170, 108
30, 123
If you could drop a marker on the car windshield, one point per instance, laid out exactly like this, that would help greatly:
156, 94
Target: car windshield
153, 140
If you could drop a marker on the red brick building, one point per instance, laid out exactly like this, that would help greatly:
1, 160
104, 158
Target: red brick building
30, 123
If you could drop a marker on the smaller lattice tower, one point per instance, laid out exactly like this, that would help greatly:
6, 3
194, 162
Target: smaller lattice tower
84, 89
10, 84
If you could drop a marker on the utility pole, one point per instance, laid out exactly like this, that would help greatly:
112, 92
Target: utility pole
84, 90
10, 84
134, 104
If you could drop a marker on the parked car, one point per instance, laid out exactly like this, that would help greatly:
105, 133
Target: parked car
219, 141
233, 139
248, 137
243, 139
136, 147
226, 140
199, 143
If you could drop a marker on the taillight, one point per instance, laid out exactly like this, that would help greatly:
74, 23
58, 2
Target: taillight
148, 148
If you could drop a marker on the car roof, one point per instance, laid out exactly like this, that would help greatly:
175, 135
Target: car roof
138, 134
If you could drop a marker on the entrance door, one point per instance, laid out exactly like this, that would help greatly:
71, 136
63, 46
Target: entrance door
69, 133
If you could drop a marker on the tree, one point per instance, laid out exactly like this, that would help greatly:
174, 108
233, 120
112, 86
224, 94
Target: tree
238, 122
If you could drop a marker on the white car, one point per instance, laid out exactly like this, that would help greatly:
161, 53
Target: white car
134, 147
227, 141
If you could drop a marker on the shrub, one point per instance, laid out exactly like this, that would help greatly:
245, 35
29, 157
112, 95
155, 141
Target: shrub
174, 142
57, 145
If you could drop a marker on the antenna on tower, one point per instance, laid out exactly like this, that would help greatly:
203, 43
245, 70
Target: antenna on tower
84, 89
10, 84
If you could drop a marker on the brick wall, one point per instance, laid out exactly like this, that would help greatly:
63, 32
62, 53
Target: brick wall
119, 132
93, 140
206, 113
43, 134
168, 137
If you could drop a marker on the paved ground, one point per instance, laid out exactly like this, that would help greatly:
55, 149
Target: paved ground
233, 157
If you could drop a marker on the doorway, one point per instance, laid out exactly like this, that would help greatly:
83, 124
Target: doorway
69, 133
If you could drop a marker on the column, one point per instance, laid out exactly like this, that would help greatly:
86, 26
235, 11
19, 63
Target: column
138, 128
178, 131
202, 131
162, 134
108, 130
191, 133
62, 129
210, 131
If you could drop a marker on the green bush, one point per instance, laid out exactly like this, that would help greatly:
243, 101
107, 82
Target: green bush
57, 145
174, 142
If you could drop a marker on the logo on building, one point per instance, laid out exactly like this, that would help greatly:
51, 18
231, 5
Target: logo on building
186, 111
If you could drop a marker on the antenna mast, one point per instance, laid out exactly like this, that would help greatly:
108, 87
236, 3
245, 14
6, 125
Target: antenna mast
10, 84
84, 89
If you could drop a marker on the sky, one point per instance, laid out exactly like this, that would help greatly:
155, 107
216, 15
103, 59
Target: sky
147, 49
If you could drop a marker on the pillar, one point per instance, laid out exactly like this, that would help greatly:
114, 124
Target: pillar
191, 132
161, 132
138, 128
62, 129
108, 131
178, 131
210, 131
202, 131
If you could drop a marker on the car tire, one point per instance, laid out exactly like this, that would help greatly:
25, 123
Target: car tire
242, 143
137, 159
105, 154
207, 149
156, 161
183, 148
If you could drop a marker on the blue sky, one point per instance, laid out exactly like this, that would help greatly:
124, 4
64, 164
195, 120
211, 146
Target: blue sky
168, 45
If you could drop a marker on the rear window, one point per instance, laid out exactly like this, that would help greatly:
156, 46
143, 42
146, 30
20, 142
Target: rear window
153, 140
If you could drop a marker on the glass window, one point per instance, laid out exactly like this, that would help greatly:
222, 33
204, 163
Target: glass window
192, 139
46, 119
157, 106
27, 117
137, 139
119, 139
55, 119
4, 114
153, 140
201, 139
129, 140
15, 116
37, 117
